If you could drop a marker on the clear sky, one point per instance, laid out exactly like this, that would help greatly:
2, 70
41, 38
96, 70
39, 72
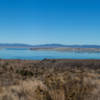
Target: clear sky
50, 21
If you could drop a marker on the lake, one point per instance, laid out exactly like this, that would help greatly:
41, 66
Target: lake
15, 53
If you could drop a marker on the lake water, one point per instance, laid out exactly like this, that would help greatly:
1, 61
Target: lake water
13, 53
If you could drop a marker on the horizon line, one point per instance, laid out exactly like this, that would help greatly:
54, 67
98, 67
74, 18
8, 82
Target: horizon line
49, 44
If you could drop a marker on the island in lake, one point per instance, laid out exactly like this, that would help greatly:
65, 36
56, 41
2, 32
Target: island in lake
68, 49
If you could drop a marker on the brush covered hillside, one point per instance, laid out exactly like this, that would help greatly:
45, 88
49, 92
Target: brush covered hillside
50, 80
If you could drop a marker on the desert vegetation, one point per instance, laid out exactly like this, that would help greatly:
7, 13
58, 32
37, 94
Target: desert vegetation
50, 79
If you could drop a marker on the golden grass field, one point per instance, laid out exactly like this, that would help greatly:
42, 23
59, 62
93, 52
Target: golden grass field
50, 80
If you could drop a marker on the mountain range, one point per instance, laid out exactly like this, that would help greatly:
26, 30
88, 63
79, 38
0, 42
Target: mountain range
46, 45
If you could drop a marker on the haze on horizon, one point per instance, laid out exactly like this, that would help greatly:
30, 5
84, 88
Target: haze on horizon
50, 21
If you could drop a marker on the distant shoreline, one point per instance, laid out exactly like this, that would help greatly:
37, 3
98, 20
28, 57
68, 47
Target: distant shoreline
60, 49
69, 49
55, 47
51, 60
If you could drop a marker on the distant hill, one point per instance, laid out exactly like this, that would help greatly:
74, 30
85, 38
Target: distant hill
14, 45
47, 45
61, 45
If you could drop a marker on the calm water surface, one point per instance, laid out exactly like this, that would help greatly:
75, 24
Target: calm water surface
14, 53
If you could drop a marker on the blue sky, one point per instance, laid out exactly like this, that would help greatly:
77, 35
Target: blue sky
50, 21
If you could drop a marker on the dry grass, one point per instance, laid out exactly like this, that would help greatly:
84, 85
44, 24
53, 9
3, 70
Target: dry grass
50, 80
